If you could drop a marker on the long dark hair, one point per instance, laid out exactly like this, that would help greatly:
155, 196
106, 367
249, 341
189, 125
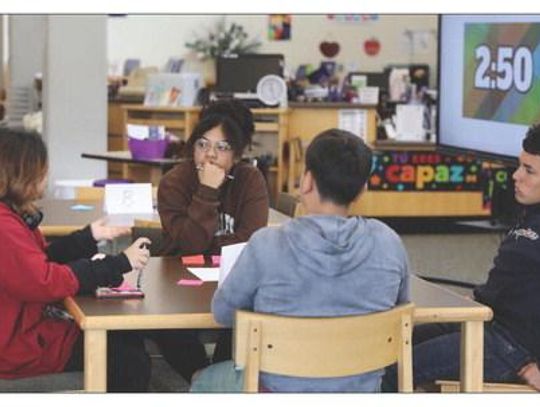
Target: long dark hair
23, 165
235, 120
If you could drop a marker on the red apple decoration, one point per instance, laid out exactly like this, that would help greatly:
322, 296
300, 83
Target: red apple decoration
372, 46
329, 49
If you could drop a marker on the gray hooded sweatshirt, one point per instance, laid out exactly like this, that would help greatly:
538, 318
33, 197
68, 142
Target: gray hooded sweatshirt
321, 266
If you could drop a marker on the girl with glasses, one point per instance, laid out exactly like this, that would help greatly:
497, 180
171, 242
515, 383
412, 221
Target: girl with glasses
214, 199
210, 201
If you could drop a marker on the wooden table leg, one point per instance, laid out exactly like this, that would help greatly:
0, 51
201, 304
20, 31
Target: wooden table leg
95, 361
155, 175
472, 356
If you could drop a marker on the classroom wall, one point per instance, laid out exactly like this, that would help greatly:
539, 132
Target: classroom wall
75, 96
155, 38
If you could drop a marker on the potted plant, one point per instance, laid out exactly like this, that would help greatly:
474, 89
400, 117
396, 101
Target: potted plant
223, 39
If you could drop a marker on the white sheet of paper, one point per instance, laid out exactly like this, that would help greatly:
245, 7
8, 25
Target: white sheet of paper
229, 254
138, 131
128, 198
368, 95
353, 120
205, 273
410, 122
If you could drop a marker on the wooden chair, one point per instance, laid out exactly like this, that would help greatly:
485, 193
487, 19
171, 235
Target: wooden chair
286, 203
352, 345
295, 163
449, 386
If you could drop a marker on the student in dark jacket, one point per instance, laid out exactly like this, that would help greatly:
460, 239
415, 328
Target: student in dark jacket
212, 200
36, 335
512, 338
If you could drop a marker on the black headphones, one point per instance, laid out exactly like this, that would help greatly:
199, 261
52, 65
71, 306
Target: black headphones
32, 221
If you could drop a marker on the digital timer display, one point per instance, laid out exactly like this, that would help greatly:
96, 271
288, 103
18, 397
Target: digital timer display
511, 68
502, 72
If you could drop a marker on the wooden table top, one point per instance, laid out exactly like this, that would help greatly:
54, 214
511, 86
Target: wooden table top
168, 305
60, 219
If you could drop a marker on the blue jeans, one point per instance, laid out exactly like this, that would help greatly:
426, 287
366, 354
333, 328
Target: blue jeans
436, 355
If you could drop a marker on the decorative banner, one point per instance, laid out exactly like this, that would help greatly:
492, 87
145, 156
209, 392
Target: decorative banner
424, 171
279, 27
353, 18
502, 72
497, 178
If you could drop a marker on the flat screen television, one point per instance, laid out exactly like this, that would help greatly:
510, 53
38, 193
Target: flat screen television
241, 73
489, 83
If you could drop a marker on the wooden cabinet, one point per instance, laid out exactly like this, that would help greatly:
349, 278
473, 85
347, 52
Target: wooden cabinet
285, 133
179, 121
271, 127
306, 121
272, 124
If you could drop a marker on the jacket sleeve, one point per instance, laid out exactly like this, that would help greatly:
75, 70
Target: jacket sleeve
26, 272
189, 221
254, 212
404, 294
77, 245
107, 272
239, 288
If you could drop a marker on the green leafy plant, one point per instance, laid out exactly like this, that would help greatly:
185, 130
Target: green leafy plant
223, 40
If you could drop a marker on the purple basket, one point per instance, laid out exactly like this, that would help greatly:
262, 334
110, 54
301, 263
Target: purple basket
103, 182
147, 149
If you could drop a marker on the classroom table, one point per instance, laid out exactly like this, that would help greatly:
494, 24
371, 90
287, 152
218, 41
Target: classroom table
169, 306
60, 219
139, 169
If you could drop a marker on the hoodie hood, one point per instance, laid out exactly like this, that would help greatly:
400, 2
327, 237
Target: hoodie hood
329, 245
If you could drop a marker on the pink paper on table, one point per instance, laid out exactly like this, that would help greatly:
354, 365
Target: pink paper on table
125, 286
189, 282
197, 260
216, 260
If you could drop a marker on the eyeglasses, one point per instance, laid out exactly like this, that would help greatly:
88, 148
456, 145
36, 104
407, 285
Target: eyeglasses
205, 145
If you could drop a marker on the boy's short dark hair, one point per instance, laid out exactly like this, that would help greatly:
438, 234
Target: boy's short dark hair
531, 142
340, 163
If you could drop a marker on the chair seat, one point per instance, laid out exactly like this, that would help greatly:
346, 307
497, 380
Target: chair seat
54, 382
449, 386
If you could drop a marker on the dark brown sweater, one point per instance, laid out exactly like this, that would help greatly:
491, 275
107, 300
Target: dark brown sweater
198, 219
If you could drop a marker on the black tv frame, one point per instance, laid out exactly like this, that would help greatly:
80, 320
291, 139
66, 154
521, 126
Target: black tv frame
219, 68
502, 159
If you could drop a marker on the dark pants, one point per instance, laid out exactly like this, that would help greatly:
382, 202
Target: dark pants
184, 351
128, 364
436, 355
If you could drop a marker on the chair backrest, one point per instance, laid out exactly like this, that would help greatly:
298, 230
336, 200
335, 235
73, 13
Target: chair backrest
295, 163
293, 346
287, 203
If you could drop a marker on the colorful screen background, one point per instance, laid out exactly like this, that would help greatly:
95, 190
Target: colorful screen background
511, 106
